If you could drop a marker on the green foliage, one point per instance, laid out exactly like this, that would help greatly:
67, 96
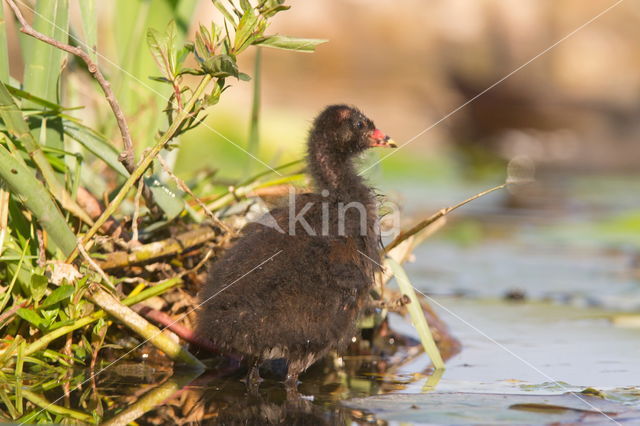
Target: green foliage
60, 155
216, 50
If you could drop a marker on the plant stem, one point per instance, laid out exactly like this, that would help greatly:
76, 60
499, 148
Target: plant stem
59, 410
428, 221
142, 327
417, 315
254, 124
152, 399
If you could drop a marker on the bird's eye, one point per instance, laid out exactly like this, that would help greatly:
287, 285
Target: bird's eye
359, 125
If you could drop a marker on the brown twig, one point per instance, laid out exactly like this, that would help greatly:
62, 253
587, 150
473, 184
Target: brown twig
141, 326
93, 264
183, 186
433, 218
42, 259
9, 313
136, 213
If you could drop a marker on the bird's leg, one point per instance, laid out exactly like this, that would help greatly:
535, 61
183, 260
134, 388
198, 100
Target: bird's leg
394, 305
253, 377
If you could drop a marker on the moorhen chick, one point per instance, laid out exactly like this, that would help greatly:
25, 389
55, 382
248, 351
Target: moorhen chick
292, 286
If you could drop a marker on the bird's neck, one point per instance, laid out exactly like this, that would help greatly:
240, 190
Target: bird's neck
337, 175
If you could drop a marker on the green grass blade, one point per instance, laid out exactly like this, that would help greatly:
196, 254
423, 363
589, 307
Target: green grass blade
18, 93
7, 295
18, 373
22, 182
90, 27
97, 145
15, 124
42, 61
416, 314
4, 52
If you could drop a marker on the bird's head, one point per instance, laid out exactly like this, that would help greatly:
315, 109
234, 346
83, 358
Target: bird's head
343, 130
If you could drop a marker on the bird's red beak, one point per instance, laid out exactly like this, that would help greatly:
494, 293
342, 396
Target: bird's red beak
378, 138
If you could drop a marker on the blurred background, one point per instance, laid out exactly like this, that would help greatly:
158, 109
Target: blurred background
569, 116
408, 64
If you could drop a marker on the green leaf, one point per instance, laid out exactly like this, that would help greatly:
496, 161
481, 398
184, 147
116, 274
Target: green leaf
38, 286
43, 62
59, 294
191, 71
245, 33
171, 203
204, 46
246, 6
221, 66
290, 43
35, 99
158, 44
270, 12
228, 16
30, 316
48, 316
17, 127
59, 324
160, 79
181, 56
171, 42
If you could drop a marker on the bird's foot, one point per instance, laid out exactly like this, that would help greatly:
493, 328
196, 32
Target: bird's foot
291, 386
